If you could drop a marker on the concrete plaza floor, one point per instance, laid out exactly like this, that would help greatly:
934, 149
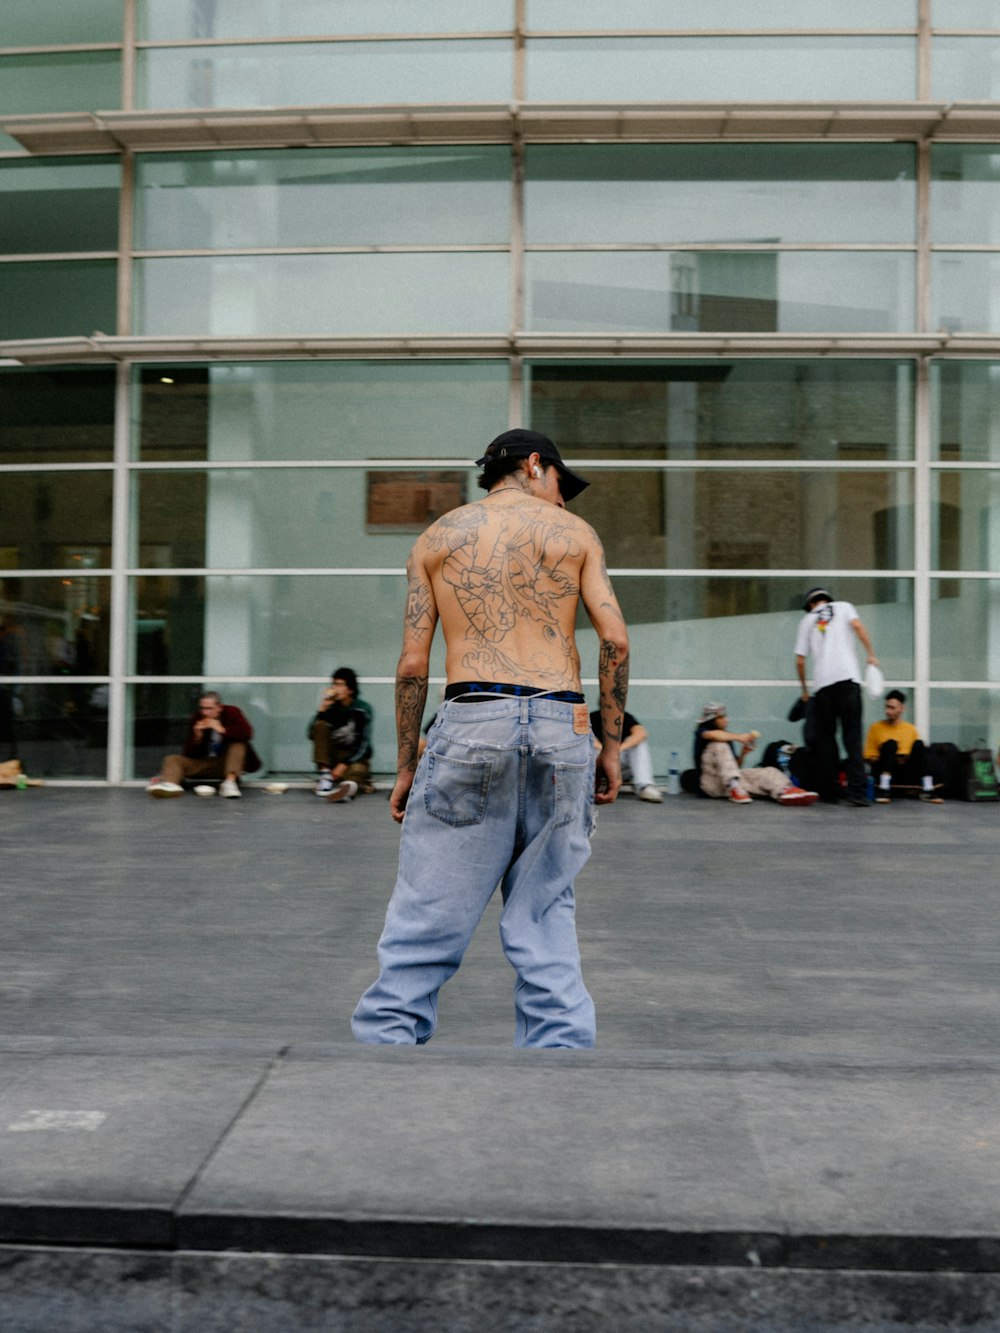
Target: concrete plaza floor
790, 1121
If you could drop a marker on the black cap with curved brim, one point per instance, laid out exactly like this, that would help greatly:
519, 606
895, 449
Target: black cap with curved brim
813, 595
520, 443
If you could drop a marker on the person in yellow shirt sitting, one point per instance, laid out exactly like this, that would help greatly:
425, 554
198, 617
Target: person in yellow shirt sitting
895, 753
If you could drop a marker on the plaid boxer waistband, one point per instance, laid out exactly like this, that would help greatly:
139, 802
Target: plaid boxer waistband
483, 691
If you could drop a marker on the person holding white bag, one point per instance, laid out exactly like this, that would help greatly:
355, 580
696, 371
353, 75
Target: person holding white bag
829, 633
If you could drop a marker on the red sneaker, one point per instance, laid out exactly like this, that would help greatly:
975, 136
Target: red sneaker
740, 797
797, 796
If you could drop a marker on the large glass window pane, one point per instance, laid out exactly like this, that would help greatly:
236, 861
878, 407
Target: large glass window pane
56, 23
270, 625
323, 197
966, 532
719, 291
967, 718
579, 15
353, 294
58, 298
55, 520
163, 20
767, 193
965, 68
337, 73
290, 518
319, 410
56, 416
749, 69
57, 731
54, 626
965, 292
279, 714
965, 194
760, 519
966, 410
710, 627
66, 81
965, 13
59, 204
965, 629
739, 409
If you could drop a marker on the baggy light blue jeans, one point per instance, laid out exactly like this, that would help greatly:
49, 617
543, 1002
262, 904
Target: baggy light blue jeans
503, 795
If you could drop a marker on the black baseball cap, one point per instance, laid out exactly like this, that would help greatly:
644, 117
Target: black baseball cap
520, 443
816, 595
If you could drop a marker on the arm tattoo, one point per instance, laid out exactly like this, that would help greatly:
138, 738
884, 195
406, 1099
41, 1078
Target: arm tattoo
411, 695
613, 677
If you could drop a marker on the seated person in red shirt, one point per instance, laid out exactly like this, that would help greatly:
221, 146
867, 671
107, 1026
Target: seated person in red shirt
895, 753
217, 745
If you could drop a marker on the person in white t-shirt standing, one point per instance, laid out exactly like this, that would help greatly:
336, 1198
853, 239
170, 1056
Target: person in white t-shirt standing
828, 634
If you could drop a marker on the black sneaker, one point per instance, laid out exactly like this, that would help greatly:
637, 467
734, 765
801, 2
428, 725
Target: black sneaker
859, 801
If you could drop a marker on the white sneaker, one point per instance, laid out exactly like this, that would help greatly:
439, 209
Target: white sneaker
158, 788
324, 784
343, 791
650, 793
229, 788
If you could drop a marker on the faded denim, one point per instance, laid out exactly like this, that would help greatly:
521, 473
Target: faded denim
503, 795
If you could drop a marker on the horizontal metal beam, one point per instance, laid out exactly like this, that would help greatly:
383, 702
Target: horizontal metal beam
107, 349
499, 122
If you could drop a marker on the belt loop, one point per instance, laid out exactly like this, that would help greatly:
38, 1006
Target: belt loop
526, 709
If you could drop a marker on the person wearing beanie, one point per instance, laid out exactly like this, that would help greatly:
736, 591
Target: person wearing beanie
828, 635
718, 760
896, 755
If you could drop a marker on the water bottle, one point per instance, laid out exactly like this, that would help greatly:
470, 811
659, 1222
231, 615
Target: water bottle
21, 782
673, 775
784, 758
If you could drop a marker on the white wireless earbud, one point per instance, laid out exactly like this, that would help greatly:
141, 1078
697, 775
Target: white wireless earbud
536, 472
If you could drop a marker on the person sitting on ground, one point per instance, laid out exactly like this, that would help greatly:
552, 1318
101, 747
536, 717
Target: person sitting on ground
896, 754
340, 733
719, 764
217, 745
637, 762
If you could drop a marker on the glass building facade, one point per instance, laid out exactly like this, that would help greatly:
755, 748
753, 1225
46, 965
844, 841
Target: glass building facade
274, 273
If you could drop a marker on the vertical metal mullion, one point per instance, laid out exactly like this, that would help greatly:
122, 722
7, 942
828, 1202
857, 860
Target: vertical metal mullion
118, 653
922, 551
923, 274
128, 55
515, 402
126, 213
924, 51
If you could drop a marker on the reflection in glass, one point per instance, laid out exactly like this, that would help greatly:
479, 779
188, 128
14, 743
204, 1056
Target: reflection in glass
966, 718
287, 410
316, 74
966, 531
760, 519
965, 193
163, 20
965, 68
66, 81
746, 192
58, 298
57, 731
57, 415
55, 520
296, 518
279, 714
52, 205
55, 23
745, 69
964, 290
299, 295
965, 629
719, 291
52, 627
323, 197
738, 409
713, 627
965, 417
579, 15
269, 624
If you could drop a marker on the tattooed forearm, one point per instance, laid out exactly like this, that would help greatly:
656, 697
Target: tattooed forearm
613, 678
411, 695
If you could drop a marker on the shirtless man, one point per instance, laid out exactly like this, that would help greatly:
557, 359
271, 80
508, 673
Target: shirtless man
504, 791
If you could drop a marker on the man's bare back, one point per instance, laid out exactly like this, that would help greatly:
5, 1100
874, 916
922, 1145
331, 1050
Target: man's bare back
506, 572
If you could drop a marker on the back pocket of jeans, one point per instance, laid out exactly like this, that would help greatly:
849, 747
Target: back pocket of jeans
457, 789
572, 783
